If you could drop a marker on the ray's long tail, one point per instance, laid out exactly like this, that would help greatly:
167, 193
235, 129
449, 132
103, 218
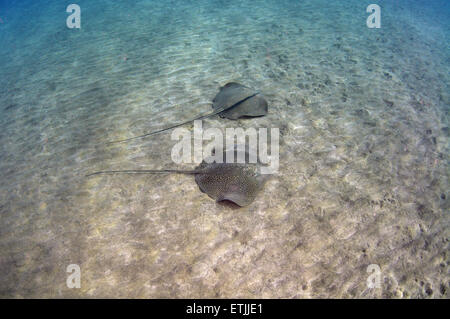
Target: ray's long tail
146, 171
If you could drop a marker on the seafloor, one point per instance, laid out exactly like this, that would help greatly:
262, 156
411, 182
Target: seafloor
364, 152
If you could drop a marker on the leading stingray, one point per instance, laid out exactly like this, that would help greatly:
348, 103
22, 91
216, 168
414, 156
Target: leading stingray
233, 101
235, 182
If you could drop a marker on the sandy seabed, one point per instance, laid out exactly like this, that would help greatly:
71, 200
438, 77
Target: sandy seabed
364, 149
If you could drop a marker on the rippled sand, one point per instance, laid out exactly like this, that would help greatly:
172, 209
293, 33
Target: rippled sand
364, 171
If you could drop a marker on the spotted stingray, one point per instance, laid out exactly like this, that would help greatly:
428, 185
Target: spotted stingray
238, 183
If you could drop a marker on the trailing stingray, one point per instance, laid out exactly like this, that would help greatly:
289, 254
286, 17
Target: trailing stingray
233, 101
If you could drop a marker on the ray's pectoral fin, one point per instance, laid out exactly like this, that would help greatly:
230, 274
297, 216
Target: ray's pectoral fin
237, 198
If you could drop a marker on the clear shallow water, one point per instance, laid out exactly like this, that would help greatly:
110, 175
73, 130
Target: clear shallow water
363, 179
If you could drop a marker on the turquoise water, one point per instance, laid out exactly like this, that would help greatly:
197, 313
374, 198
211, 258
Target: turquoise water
364, 149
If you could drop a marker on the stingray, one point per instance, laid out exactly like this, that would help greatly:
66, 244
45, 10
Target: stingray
233, 101
253, 106
238, 183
